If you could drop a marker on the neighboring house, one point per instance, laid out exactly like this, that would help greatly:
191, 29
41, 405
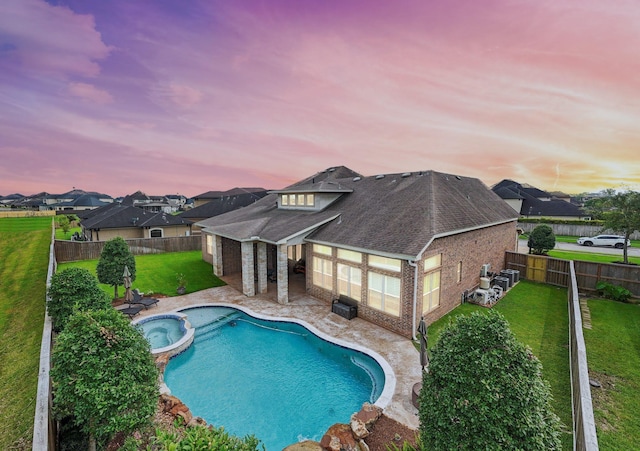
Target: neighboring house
401, 245
225, 202
529, 201
209, 196
83, 202
131, 222
10, 199
154, 204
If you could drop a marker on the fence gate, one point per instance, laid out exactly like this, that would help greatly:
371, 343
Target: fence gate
536, 268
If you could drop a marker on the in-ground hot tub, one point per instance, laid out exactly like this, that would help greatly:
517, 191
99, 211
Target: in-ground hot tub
166, 332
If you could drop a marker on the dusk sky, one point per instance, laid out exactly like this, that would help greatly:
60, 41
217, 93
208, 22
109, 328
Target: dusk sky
190, 96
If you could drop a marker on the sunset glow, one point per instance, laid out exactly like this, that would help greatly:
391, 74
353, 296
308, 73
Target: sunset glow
186, 97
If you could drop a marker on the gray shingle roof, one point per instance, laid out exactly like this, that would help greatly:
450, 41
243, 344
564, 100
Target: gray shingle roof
120, 216
397, 214
224, 204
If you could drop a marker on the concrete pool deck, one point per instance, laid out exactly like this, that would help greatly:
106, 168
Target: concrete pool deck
398, 351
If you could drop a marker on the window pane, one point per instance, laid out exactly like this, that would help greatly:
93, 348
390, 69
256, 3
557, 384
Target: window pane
350, 255
285, 199
310, 200
292, 199
433, 262
300, 200
431, 293
320, 249
391, 264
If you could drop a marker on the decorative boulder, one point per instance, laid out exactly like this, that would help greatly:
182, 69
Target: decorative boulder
307, 445
339, 438
196, 421
363, 421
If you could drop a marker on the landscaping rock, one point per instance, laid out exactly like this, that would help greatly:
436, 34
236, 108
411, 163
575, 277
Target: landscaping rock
363, 421
196, 421
339, 437
307, 445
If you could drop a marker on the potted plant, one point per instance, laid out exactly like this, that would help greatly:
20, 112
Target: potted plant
182, 283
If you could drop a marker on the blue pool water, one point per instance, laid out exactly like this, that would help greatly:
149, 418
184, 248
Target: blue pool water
162, 331
275, 380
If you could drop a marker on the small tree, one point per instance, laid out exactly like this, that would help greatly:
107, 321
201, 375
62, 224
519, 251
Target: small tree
541, 240
622, 214
484, 390
63, 223
74, 289
113, 258
104, 376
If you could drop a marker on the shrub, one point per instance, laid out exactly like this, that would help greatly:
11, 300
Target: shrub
484, 390
104, 376
201, 437
74, 289
541, 240
614, 292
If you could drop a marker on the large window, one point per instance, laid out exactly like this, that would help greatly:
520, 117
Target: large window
390, 264
349, 281
322, 273
431, 293
431, 287
384, 293
155, 233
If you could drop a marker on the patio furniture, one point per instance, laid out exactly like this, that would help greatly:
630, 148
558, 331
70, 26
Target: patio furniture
131, 311
139, 299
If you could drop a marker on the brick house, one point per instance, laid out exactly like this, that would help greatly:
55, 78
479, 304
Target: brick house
401, 245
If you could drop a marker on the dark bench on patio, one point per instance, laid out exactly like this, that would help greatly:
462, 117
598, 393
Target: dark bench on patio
345, 307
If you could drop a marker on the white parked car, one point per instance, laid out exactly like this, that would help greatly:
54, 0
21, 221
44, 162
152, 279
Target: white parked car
616, 241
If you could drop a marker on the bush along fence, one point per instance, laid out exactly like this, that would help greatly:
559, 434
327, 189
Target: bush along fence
554, 271
68, 251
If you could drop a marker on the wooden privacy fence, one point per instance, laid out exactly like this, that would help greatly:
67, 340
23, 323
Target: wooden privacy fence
68, 251
554, 271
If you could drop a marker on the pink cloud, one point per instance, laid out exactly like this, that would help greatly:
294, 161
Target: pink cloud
184, 96
90, 92
52, 40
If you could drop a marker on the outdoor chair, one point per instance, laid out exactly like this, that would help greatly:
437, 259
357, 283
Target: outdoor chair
139, 299
131, 311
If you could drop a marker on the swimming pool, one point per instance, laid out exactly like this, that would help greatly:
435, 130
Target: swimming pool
276, 380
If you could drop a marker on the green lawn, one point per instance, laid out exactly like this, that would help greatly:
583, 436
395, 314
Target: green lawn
156, 273
24, 257
590, 257
60, 235
613, 354
538, 316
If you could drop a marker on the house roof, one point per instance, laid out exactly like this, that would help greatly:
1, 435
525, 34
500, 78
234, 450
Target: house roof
532, 203
394, 214
84, 200
224, 204
231, 192
117, 216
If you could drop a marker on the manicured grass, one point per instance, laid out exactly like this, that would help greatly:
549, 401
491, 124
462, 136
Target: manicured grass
157, 273
24, 257
60, 235
613, 354
538, 317
590, 257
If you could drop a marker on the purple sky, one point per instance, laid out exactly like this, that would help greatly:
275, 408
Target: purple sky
190, 96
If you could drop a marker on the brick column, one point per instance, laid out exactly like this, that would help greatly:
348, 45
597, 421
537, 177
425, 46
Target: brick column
218, 268
248, 281
283, 275
262, 267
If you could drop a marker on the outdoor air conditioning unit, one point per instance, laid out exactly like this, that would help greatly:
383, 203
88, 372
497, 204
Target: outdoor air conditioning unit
484, 272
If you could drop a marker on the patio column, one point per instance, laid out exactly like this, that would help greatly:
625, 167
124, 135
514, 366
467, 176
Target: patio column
248, 280
216, 251
262, 267
283, 274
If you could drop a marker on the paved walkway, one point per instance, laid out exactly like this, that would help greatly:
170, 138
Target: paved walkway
398, 351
